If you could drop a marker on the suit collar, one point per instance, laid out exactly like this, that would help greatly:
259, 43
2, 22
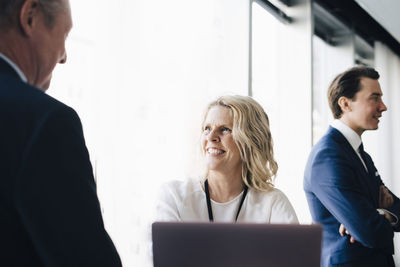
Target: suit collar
7, 65
339, 137
351, 136
346, 145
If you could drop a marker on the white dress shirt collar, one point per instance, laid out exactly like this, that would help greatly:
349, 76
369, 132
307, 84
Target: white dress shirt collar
351, 136
15, 67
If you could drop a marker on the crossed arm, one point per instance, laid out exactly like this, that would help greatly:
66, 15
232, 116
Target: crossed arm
334, 182
386, 201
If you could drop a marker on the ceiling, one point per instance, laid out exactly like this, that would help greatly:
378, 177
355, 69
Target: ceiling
386, 13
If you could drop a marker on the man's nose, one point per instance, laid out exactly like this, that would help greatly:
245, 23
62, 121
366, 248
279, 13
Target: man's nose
63, 59
383, 107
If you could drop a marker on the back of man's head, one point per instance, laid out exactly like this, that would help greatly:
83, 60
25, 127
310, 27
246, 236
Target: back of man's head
10, 10
9, 13
347, 84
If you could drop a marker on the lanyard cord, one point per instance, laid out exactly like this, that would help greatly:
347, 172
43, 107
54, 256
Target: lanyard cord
210, 213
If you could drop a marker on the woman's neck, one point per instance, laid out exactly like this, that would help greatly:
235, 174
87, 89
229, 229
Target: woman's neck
224, 188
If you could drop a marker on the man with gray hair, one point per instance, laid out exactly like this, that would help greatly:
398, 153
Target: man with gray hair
49, 211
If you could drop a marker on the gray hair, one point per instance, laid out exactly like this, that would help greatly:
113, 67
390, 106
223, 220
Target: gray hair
9, 11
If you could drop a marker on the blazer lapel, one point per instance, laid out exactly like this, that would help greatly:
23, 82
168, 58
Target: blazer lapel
364, 178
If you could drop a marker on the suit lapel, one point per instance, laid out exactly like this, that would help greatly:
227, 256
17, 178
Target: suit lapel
366, 179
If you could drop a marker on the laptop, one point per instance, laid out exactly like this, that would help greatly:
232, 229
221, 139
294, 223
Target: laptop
188, 244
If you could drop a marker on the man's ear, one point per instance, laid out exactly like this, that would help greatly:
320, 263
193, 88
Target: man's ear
28, 16
344, 104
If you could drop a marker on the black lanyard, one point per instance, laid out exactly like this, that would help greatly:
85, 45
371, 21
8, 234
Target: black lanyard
210, 213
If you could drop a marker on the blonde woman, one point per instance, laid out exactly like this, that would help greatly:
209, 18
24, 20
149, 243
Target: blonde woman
238, 185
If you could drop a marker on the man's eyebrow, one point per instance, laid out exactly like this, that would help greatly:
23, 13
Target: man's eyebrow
376, 94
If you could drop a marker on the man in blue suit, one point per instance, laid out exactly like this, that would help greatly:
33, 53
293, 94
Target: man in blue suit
49, 211
344, 190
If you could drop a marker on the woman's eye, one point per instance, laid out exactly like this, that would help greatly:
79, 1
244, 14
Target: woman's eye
207, 128
226, 130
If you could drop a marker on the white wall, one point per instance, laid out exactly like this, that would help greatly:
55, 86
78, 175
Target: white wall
281, 75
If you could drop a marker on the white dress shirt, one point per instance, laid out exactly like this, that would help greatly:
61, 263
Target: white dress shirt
351, 136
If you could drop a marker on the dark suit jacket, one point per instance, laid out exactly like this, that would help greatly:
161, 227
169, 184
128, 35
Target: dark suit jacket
49, 211
340, 190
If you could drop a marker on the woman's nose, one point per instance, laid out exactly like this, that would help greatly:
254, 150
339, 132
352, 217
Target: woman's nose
213, 136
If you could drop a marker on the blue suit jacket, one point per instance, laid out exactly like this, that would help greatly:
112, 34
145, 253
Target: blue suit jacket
340, 190
49, 211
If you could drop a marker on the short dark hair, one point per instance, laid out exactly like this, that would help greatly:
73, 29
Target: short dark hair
9, 10
347, 84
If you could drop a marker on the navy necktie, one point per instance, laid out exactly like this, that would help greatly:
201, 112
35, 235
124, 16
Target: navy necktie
363, 156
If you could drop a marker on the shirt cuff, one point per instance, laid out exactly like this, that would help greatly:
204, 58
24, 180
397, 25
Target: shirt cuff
382, 212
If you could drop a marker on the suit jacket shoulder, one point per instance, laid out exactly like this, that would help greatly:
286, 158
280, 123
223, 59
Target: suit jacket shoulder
333, 154
48, 202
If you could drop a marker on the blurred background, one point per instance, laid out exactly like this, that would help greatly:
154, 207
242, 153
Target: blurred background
140, 73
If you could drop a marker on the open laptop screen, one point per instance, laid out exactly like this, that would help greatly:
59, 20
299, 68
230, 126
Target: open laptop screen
188, 244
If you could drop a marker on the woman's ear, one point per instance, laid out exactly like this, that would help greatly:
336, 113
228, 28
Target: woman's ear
344, 104
28, 16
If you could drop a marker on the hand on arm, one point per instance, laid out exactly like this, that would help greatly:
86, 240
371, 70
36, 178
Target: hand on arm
385, 198
343, 232
385, 201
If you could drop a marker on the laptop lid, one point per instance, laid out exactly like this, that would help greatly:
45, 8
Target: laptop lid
188, 244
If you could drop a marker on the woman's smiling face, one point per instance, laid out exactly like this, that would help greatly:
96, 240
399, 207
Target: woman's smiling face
220, 150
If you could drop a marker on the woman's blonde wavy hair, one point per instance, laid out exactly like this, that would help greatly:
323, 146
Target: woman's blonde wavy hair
252, 135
